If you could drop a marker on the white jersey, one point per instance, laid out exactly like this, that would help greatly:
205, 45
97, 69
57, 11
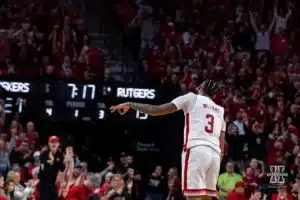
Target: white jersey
204, 121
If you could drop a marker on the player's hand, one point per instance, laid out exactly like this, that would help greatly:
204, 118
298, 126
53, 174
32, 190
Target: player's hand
121, 108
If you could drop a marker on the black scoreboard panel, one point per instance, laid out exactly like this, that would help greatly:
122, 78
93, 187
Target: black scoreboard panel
62, 100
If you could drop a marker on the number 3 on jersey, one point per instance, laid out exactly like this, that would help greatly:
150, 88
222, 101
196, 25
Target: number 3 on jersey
209, 128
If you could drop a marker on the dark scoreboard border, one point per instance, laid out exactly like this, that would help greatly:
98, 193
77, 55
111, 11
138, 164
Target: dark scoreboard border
61, 89
38, 91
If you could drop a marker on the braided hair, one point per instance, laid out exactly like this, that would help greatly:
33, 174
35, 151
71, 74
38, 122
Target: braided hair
210, 87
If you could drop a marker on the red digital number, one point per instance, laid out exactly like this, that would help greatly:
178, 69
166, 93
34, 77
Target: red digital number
210, 124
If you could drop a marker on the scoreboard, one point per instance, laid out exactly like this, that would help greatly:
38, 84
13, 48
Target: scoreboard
68, 100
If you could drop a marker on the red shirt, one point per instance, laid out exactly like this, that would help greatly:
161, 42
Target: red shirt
36, 194
103, 189
31, 137
249, 180
279, 45
80, 192
233, 195
3, 198
68, 196
94, 56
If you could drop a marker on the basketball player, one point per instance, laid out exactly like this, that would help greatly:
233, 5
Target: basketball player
204, 137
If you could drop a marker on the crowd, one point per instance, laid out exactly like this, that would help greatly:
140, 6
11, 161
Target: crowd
46, 39
25, 173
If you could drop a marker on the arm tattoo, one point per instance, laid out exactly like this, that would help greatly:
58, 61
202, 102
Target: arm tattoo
154, 110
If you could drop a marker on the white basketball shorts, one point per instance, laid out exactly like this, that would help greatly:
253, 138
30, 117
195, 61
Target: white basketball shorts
200, 171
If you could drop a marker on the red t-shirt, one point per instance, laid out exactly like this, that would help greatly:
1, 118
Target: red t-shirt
279, 44
233, 195
250, 180
80, 192
31, 137
103, 189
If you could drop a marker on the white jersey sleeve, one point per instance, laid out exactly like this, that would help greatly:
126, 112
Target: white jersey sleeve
185, 102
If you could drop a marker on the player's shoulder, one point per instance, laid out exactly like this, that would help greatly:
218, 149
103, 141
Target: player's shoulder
221, 108
191, 95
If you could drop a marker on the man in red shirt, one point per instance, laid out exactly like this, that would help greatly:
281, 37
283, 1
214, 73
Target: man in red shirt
238, 193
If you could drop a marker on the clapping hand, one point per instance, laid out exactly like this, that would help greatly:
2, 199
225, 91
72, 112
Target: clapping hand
51, 158
129, 185
111, 165
69, 154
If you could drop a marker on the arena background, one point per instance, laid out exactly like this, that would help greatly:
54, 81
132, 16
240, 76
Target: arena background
152, 140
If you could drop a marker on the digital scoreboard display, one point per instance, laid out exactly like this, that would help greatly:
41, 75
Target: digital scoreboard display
63, 100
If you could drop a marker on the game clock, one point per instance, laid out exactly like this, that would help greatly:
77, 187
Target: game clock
68, 101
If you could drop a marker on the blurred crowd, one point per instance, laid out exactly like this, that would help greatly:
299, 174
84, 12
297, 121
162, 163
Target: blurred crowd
20, 177
46, 39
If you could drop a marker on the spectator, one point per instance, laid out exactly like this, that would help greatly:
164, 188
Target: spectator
175, 192
9, 188
262, 35
279, 44
107, 182
258, 168
117, 189
48, 171
34, 181
295, 190
282, 193
20, 193
132, 184
5, 153
227, 180
251, 182
281, 19
173, 177
156, 185
2, 182
257, 195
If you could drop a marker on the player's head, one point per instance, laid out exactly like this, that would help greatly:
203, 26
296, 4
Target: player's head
209, 88
53, 143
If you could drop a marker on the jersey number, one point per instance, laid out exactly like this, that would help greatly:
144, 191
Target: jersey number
209, 128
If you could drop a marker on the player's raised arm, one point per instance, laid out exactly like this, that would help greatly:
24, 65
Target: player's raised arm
181, 102
154, 110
